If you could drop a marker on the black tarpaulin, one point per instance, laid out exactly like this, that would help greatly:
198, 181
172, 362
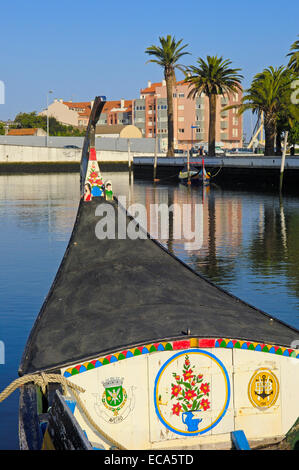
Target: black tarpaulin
115, 293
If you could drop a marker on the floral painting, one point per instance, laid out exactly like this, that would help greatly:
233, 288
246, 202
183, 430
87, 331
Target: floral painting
189, 391
187, 402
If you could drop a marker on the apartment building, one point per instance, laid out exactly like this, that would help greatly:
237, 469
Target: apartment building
69, 113
77, 113
191, 117
116, 113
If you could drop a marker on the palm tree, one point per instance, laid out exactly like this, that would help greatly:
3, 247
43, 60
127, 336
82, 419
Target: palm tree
212, 77
167, 56
294, 57
268, 95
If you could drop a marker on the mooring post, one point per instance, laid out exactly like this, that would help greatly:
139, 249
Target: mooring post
283, 159
188, 165
129, 159
155, 160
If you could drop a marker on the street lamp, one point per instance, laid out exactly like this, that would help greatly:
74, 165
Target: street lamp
192, 127
48, 116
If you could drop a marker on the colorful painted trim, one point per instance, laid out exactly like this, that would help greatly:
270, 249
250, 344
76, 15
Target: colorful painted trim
262, 347
179, 345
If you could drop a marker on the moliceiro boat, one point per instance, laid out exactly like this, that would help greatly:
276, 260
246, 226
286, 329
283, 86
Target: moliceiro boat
193, 175
121, 356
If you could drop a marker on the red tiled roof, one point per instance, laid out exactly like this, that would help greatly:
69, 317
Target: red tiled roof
109, 105
83, 104
31, 131
153, 86
86, 106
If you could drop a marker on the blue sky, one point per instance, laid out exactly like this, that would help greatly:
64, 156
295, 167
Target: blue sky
80, 49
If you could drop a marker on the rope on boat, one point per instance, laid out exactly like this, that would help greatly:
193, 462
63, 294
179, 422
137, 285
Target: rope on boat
213, 176
42, 380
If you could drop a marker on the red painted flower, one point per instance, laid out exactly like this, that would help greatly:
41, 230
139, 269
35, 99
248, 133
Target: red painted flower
205, 388
187, 362
188, 375
94, 174
176, 390
200, 376
177, 378
190, 394
205, 404
176, 409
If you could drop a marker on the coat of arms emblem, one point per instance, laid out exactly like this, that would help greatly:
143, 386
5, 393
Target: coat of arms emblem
263, 389
114, 396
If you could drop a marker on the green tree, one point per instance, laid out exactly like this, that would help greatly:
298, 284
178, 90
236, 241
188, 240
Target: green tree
269, 94
167, 56
32, 120
2, 128
294, 57
294, 133
29, 121
288, 113
212, 77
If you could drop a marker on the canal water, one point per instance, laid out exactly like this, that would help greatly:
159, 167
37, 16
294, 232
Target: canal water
246, 242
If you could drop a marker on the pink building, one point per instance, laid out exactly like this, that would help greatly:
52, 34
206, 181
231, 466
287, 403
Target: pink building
191, 117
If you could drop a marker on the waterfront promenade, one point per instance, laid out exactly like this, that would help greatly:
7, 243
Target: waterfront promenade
64, 154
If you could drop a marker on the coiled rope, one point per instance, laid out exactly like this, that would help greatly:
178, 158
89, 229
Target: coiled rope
42, 380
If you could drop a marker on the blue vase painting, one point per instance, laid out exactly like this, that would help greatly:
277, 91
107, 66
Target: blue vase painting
191, 421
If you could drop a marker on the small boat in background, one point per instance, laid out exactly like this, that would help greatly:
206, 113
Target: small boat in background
194, 175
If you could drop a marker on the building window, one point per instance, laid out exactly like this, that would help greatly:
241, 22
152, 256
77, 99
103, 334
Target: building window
235, 121
235, 132
174, 95
235, 97
181, 119
181, 95
181, 131
181, 107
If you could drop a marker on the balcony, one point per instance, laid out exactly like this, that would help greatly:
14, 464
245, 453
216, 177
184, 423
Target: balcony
224, 101
224, 114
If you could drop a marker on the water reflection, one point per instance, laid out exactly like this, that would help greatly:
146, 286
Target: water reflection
249, 240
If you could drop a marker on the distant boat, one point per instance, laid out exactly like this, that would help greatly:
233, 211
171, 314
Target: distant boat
195, 176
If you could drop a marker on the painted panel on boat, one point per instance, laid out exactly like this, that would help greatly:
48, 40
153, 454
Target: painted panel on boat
289, 386
191, 393
257, 394
117, 396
